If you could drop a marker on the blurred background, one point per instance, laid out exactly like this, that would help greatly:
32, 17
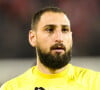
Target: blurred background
15, 20
16, 55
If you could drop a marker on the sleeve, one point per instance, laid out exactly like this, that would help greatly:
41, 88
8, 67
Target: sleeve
3, 87
6, 86
97, 83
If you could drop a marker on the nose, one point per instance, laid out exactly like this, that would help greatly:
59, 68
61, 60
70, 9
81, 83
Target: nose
58, 37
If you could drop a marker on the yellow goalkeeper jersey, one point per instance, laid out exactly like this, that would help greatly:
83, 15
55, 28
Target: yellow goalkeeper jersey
73, 78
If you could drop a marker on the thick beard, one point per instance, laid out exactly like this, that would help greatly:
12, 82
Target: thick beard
54, 61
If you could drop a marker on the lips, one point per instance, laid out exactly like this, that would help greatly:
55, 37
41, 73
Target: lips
58, 47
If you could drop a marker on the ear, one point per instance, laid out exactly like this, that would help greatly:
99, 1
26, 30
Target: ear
32, 38
72, 38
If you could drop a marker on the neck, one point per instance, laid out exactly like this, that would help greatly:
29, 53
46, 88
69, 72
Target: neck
47, 70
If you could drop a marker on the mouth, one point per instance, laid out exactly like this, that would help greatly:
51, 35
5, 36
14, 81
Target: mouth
58, 49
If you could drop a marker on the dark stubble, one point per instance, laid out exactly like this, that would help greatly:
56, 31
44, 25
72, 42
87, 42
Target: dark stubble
56, 61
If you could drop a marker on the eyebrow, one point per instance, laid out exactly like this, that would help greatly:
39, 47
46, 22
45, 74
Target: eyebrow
53, 25
50, 25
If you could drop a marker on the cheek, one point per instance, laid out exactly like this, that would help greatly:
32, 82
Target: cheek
43, 44
68, 41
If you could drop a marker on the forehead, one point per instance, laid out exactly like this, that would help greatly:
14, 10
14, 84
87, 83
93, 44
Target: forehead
55, 18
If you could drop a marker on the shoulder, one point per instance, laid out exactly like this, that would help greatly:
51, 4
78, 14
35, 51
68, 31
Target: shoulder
84, 72
87, 77
20, 80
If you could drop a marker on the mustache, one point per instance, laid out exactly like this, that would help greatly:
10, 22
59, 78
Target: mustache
58, 46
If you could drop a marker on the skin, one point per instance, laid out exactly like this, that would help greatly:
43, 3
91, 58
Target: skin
52, 28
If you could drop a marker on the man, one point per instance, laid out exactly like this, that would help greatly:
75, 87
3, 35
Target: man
52, 37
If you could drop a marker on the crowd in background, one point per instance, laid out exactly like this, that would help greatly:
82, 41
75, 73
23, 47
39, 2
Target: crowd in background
15, 21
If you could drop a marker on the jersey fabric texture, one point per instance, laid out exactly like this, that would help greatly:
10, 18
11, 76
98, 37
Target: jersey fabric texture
73, 78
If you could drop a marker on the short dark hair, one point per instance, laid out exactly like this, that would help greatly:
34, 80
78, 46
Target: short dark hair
36, 17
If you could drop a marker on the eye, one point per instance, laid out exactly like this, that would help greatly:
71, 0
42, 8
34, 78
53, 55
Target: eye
65, 29
49, 29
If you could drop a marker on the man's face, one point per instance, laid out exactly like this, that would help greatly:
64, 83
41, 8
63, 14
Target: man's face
53, 36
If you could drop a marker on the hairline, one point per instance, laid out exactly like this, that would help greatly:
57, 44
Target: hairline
42, 15
37, 16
